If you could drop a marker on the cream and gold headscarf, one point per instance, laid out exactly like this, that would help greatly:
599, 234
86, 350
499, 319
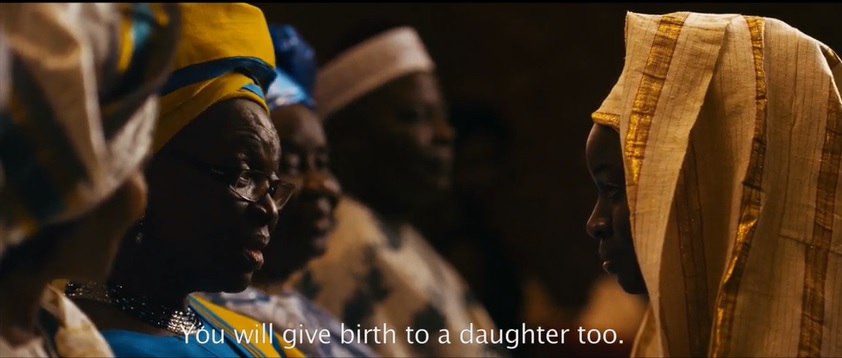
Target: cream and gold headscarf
78, 104
732, 141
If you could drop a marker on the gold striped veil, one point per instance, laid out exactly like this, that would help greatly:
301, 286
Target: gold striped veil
730, 129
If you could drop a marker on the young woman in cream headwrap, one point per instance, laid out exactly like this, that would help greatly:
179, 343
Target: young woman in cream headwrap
718, 152
77, 109
214, 196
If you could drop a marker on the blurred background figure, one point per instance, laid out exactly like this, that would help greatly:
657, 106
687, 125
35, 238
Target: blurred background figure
463, 225
391, 149
77, 111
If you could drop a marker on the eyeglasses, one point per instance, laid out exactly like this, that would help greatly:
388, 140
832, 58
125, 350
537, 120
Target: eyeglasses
249, 185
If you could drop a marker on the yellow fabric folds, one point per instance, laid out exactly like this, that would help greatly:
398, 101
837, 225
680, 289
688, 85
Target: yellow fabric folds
182, 106
227, 40
730, 128
230, 320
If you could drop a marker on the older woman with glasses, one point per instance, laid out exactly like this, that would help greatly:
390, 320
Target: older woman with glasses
214, 196
305, 224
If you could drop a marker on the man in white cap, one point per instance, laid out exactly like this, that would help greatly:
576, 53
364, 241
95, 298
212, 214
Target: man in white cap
390, 141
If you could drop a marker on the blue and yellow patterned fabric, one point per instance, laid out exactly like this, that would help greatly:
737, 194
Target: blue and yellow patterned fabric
77, 105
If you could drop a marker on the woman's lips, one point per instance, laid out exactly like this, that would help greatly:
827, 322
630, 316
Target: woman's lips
323, 225
253, 251
254, 258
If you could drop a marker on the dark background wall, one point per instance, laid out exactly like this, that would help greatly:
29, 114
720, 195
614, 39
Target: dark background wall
547, 66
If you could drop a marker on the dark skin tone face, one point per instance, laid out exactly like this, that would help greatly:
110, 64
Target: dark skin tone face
198, 235
195, 219
397, 153
306, 221
610, 221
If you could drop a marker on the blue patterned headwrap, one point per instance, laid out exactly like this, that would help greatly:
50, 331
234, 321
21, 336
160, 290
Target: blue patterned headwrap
295, 69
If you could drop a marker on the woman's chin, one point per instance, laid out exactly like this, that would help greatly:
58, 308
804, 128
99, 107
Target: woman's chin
318, 245
231, 284
632, 284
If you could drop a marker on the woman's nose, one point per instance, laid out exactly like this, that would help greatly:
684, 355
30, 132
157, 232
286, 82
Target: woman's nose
266, 211
599, 226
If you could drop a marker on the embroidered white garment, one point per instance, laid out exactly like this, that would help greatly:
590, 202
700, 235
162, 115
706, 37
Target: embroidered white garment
371, 277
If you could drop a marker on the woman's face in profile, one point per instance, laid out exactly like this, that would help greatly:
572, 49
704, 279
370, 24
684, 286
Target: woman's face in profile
196, 224
609, 222
307, 219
